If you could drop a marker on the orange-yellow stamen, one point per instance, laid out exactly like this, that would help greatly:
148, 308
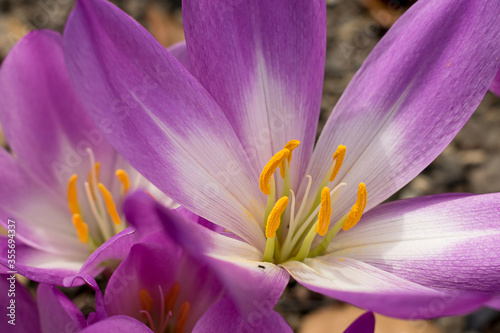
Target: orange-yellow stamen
124, 179
73, 195
338, 158
358, 208
82, 230
325, 212
146, 300
291, 145
171, 297
110, 204
182, 318
274, 219
270, 168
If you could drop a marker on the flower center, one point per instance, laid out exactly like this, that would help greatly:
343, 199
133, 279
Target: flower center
158, 318
295, 242
96, 219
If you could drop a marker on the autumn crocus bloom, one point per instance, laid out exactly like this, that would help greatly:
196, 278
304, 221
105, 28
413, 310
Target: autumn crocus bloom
232, 140
62, 188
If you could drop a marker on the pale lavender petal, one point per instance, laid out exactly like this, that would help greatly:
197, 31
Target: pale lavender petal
225, 317
19, 309
374, 289
363, 324
446, 242
163, 121
263, 61
36, 209
494, 303
118, 324
412, 95
41, 116
57, 312
179, 51
416, 258
62, 268
495, 86
38, 265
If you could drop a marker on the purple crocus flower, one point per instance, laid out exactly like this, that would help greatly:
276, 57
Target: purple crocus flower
62, 187
212, 138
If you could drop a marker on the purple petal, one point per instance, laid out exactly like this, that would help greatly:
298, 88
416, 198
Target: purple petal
38, 265
412, 95
170, 128
364, 324
156, 265
495, 86
224, 317
374, 289
118, 324
60, 269
264, 64
41, 116
57, 312
179, 51
114, 249
494, 303
238, 265
417, 258
18, 307
447, 242
36, 209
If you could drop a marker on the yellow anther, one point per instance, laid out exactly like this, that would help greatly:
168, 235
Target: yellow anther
180, 326
146, 300
110, 204
274, 219
82, 230
73, 195
325, 212
171, 297
291, 145
338, 158
271, 166
124, 179
358, 208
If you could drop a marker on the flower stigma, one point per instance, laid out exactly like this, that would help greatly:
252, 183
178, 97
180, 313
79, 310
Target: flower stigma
158, 317
310, 224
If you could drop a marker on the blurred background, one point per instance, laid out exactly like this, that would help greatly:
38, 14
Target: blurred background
470, 164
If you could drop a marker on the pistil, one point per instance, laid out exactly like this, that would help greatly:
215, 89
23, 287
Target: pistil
103, 210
